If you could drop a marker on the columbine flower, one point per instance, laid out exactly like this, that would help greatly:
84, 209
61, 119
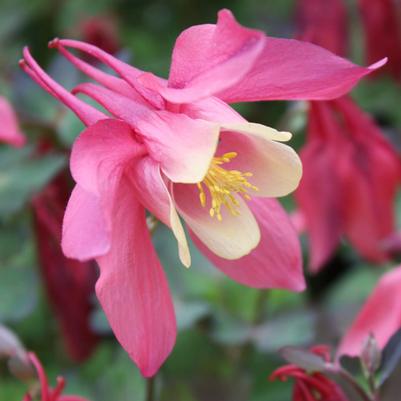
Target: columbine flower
177, 149
311, 386
101, 31
9, 129
351, 172
351, 175
380, 316
69, 283
323, 23
382, 29
46, 392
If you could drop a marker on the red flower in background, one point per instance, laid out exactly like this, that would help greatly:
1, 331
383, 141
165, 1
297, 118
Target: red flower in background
9, 129
47, 393
351, 172
310, 386
370, 173
381, 21
69, 283
351, 175
102, 32
323, 23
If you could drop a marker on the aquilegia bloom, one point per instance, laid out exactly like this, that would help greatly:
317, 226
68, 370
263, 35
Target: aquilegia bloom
351, 176
351, 172
323, 23
101, 31
46, 392
9, 128
69, 283
380, 316
175, 148
382, 30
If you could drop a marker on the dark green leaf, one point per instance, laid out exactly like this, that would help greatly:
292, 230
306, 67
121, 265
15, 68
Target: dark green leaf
18, 284
188, 313
304, 359
229, 330
22, 176
294, 328
391, 357
99, 321
351, 364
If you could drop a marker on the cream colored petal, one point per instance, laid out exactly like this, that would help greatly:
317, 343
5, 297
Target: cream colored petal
258, 130
276, 168
153, 193
231, 238
179, 233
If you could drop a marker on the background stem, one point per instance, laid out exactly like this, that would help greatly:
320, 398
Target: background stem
357, 387
150, 389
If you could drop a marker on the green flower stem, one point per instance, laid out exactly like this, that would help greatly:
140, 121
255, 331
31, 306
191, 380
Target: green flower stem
150, 389
355, 385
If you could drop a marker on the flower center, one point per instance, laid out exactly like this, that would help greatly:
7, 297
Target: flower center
222, 184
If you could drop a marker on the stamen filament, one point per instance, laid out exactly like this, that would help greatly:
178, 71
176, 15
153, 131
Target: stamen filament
222, 184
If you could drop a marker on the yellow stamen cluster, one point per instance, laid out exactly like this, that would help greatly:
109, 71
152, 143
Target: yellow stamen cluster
222, 184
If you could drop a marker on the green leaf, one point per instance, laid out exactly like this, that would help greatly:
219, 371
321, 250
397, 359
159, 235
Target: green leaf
177, 391
294, 328
63, 72
21, 176
289, 328
32, 100
18, 286
69, 128
122, 381
229, 330
98, 321
113, 375
391, 356
352, 364
11, 389
189, 313
304, 359
355, 287
201, 280
381, 98
196, 355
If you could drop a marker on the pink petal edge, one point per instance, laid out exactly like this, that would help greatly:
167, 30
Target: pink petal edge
276, 262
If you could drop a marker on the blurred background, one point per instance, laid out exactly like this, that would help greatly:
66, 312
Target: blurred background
228, 334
